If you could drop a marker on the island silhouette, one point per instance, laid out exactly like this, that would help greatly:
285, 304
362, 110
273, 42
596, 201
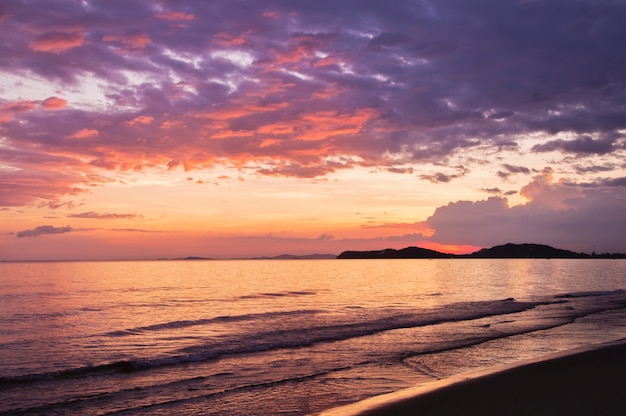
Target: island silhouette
505, 251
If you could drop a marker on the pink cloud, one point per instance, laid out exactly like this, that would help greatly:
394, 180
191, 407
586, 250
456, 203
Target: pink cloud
170, 124
141, 120
56, 41
4, 15
176, 16
228, 40
54, 103
19, 107
42, 177
272, 14
84, 134
8, 110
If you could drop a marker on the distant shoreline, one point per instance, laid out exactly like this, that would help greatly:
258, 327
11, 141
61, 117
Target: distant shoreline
505, 251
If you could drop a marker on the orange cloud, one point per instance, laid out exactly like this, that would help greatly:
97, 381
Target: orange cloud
241, 111
56, 41
171, 124
140, 120
176, 16
327, 61
323, 124
269, 142
301, 48
327, 93
292, 56
225, 134
84, 134
54, 103
277, 129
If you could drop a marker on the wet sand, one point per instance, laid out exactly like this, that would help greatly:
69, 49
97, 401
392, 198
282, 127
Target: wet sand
586, 381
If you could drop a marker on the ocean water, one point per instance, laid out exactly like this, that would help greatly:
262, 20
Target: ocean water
282, 337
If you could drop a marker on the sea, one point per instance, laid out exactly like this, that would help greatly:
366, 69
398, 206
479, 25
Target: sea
282, 337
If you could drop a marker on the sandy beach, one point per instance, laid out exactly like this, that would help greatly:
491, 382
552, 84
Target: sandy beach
585, 381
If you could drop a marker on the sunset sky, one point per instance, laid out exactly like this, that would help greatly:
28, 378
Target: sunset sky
240, 128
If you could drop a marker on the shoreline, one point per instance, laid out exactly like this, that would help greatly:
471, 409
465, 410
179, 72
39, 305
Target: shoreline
582, 381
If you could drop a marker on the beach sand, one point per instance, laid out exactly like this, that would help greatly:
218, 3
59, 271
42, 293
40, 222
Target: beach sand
588, 381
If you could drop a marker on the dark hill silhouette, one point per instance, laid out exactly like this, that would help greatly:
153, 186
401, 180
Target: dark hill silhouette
298, 257
505, 251
526, 251
390, 253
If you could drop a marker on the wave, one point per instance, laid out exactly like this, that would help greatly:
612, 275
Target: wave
207, 321
590, 294
278, 294
289, 337
307, 333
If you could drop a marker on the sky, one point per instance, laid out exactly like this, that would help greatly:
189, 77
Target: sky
238, 128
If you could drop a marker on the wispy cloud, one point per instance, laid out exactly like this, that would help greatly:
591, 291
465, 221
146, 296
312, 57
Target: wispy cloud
134, 230
42, 230
104, 216
583, 144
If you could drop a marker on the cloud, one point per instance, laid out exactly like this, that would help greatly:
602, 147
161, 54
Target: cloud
42, 230
129, 42
511, 170
104, 216
440, 177
134, 230
593, 168
492, 190
290, 87
610, 182
9, 110
543, 192
175, 16
581, 145
54, 103
84, 134
501, 115
56, 41
42, 177
516, 169
564, 215
141, 120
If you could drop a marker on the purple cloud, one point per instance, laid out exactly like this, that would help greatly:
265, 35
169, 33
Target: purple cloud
581, 145
289, 86
564, 215
42, 230
104, 216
